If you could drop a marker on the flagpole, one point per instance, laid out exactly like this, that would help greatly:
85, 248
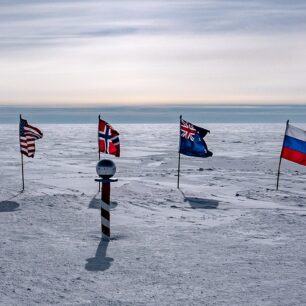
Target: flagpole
22, 171
280, 158
179, 157
99, 151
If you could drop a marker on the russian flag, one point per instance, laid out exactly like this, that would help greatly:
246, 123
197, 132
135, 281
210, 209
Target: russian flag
294, 148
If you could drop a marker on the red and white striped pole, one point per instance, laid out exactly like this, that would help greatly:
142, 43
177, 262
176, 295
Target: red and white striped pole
105, 169
105, 210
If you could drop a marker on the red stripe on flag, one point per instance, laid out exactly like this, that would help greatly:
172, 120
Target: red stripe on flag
294, 156
28, 134
34, 130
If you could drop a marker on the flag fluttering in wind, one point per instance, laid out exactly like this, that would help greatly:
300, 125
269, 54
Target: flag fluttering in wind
191, 143
27, 135
192, 140
108, 139
294, 147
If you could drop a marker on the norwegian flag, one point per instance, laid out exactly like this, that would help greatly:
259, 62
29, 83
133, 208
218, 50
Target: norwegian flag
108, 139
27, 135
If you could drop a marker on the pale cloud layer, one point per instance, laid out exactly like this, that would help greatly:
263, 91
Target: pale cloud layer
152, 52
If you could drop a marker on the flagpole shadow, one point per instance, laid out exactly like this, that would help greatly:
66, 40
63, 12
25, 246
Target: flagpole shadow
15, 196
100, 262
200, 203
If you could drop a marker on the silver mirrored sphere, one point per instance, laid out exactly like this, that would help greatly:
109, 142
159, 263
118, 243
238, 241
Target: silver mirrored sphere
106, 168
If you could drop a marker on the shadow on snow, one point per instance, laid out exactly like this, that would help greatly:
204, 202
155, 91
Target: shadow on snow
100, 262
96, 203
7, 206
201, 203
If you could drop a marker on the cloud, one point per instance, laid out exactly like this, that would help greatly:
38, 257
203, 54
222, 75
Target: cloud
56, 21
152, 51
188, 68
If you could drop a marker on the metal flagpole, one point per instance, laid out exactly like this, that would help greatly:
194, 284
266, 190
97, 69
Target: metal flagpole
22, 171
99, 150
179, 157
280, 158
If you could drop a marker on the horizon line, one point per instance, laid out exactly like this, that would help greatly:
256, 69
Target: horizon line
153, 105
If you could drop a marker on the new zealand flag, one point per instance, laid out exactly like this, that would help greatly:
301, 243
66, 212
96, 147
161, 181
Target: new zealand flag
192, 140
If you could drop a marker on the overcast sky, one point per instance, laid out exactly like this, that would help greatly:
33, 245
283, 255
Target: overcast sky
147, 52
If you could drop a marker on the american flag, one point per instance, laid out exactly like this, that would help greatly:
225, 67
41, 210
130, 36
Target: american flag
27, 135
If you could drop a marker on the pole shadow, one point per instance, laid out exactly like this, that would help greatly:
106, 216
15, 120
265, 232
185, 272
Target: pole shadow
200, 203
96, 203
8, 206
196, 203
100, 262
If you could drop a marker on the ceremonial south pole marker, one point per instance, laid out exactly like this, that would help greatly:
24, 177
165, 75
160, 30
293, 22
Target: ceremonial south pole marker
105, 168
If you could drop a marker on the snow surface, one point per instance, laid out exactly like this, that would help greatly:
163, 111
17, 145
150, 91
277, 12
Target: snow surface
226, 238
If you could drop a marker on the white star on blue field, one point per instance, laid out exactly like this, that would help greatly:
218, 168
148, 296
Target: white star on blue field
152, 52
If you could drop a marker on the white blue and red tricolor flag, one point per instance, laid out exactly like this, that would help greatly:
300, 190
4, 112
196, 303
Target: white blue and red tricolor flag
192, 140
108, 139
294, 148
27, 135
